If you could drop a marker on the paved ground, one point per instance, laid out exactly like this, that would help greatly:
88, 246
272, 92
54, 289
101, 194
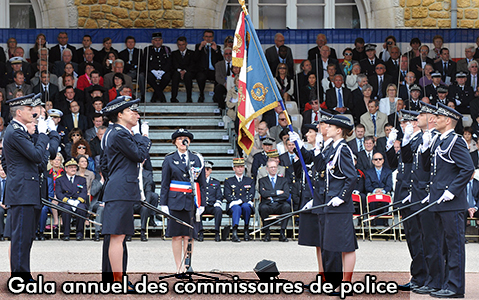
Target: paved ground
63, 261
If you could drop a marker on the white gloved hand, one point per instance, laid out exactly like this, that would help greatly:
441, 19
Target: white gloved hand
136, 129
42, 125
294, 137
165, 209
407, 199
236, 202
425, 200
200, 210
217, 204
145, 128
426, 141
336, 201
319, 141
71, 202
251, 203
308, 205
446, 196
408, 131
393, 135
51, 124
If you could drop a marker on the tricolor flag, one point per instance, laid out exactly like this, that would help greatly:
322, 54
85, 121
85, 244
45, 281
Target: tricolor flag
257, 90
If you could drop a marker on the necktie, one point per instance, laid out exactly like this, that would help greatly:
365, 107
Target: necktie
183, 54
361, 147
316, 116
71, 180
378, 172
228, 71
380, 88
340, 99
63, 48
272, 181
291, 157
240, 179
75, 120
372, 62
474, 83
373, 117
395, 63
369, 159
210, 64
183, 158
445, 68
130, 58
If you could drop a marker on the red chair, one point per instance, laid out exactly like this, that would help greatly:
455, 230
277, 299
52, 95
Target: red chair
358, 224
386, 200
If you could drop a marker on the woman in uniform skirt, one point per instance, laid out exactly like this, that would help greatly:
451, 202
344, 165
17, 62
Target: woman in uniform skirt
124, 151
339, 234
176, 194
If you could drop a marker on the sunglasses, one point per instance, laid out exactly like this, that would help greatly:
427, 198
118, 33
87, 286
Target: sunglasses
348, 54
282, 119
376, 159
81, 147
76, 134
282, 68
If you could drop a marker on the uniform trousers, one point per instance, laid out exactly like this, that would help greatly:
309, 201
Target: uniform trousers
66, 217
414, 240
159, 85
217, 212
236, 211
431, 241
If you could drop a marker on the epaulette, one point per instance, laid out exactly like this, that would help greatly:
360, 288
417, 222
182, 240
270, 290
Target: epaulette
214, 179
170, 153
202, 160
226, 178
118, 128
16, 126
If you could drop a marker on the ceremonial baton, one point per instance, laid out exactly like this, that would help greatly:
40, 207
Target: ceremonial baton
295, 212
272, 223
62, 209
391, 211
375, 210
159, 211
418, 212
79, 208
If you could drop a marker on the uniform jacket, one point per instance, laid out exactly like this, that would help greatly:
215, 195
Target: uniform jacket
213, 192
235, 190
156, 60
124, 152
174, 169
77, 190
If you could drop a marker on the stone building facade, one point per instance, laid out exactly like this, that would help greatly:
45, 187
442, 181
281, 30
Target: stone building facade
209, 13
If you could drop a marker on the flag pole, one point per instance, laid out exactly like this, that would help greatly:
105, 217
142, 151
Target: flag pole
278, 97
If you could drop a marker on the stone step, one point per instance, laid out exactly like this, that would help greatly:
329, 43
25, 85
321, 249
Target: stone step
220, 162
189, 122
212, 134
203, 148
179, 108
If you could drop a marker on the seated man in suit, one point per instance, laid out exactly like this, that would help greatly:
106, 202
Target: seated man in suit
272, 55
214, 201
339, 100
97, 120
314, 52
223, 69
57, 51
368, 64
311, 115
183, 69
374, 120
472, 192
274, 191
117, 67
446, 67
67, 95
72, 189
18, 83
74, 119
288, 158
42, 65
86, 45
88, 58
381, 142
282, 124
59, 66
207, 54
418, 63
239, 195
365, 157
380, 81
357, 144
323, 62
49, 90
394, 118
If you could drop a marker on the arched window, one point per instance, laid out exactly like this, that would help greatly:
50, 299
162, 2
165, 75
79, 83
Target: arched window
296, 14
17, 14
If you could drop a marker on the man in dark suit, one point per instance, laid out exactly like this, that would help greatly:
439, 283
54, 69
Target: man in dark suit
378, 179
183, 61
357, 144
446, 67
405, 89
66, 96
18, 83
91, 93
71, 190
22, 158
74, 119
80, 52
368, 64
320, 66
394, 118
365, 157
59, 66
273, 58
207, 54
223, 69
117, 67
131, 56
393, 64
57, 50
314, 53
461, 93
274, 191
88, 58
418, 63
16, 64
472, 194
260, 159
288, 157
312, 114
41, 66
49, 90
159, 66
380, 82
339, 100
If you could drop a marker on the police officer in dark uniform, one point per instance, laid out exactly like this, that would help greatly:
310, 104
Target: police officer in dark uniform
239, 195
157, 63
461, 93
124, 152
431, 90
72, 189
22, 191
402, 196
214, 200
450, 165
260, 159
176, 192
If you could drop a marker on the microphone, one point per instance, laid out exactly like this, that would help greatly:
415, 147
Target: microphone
185, 142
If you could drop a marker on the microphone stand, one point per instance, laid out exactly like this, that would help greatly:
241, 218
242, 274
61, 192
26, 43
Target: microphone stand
187, 258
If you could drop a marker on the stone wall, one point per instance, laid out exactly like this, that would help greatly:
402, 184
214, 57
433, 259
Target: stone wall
437, 13
131, 14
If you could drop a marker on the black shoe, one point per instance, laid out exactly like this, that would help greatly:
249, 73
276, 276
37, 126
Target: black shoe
282, 237
201, 98
66, 238
79, 238
189, 100
128, 238
235, 237
446, 294
217, 237
96, 238
267, 237
143, 237
200, 237
174, 100
246, 233
405, 287
41, 236
424, 290
55, 232
153, 100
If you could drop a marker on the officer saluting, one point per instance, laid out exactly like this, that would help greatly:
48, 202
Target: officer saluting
157, 62
125, 151
239, 195
22, 191
450, 165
